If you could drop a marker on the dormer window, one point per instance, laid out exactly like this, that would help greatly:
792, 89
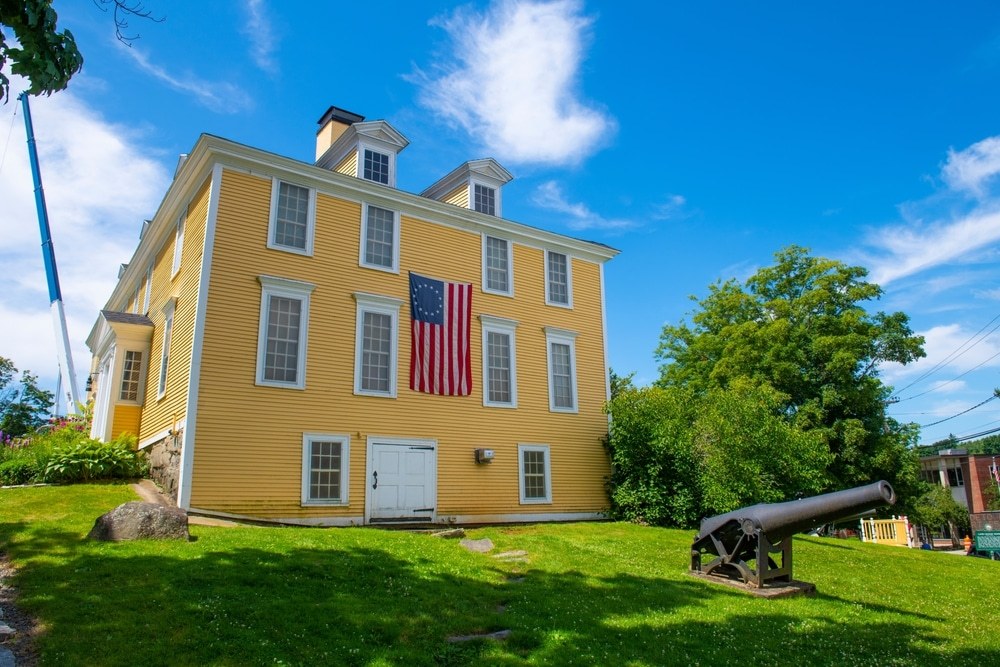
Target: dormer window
474, 185
484, 199
367, 150
376, 167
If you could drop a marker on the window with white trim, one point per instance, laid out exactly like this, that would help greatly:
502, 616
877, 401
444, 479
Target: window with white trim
497, 265
558, 279
293, 218
282, 332
561, 353
135, 301
178, 246
325, 459
380, 239
484, 199
499, 362
376, 166
375, 341
131, 366
533, 474
168, 326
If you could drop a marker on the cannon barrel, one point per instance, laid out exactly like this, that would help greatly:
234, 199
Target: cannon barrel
759, 533
781, 520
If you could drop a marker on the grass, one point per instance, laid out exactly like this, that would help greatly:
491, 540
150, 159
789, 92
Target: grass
590, 594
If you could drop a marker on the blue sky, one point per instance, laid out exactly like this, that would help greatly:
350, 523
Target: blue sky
698, 140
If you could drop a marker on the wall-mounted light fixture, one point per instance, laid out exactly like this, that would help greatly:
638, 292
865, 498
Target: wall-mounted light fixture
484, 456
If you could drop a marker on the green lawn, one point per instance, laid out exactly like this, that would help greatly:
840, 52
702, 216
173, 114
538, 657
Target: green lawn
589, 594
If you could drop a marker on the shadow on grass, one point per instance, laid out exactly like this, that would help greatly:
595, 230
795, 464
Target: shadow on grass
186, 604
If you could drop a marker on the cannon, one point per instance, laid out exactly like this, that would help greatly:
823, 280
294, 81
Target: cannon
755, 533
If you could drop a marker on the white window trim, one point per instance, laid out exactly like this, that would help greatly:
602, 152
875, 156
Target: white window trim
149, 289
510, 267
345, 458
291, 289
565, 337
386, 305
310, 220
547, 500
362, 147
569, 281
473, 182
168, 330
364, 240
175, 267
503, 326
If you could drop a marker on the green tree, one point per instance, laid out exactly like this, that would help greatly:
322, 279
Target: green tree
801, 329
935, 508
45, 56
23, 406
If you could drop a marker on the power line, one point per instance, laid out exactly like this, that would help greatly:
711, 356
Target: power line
954, 355
941, 421
954, 379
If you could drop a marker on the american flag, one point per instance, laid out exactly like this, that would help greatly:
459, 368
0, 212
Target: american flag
440, 356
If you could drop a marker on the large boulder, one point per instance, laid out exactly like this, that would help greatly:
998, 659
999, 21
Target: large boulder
138, 520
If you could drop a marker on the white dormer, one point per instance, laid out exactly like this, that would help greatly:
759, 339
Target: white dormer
474, 185
348, 145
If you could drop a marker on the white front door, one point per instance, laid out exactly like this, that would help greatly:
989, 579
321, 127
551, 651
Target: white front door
402, 480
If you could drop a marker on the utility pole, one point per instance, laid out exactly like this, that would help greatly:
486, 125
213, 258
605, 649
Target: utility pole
64, 354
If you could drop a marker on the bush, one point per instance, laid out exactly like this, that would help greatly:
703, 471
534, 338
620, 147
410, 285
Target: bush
18, 471
89, 460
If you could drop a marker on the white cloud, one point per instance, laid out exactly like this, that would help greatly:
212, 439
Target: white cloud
98, 187
951, 351
549, 195
218, 96
258, 29
909, 249
512, 82
671, 209
972, 168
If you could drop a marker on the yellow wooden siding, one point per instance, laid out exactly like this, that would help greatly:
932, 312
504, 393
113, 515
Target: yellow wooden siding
159, 414
248, 454
126, 420
348, 165
459, 196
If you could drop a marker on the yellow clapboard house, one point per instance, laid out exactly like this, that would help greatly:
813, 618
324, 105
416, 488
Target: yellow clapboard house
259, 343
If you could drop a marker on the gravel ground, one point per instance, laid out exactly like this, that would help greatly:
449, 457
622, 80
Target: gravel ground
22, 644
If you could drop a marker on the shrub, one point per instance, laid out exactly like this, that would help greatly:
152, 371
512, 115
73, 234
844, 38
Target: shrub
89, 460
18, 471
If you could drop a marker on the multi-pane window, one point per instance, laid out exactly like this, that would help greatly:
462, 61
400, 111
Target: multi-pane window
291, 217
557, 278
168, 325
284, 323
178, 246
376, 166
534, 475
380, 245
281, 352
562, 369
499, 362
954, 472
375, 345
130, 376
325, 463
484, 199
376, 352
496, 265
